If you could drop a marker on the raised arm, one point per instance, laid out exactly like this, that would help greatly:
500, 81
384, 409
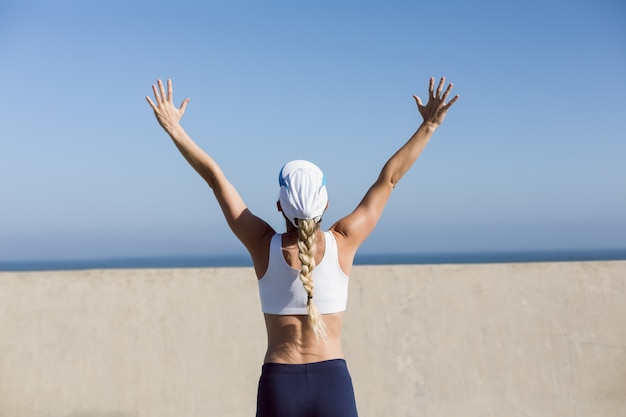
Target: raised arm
355, 227
248, 228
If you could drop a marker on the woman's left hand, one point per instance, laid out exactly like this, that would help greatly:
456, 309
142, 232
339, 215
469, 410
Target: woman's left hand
166, 113
436, 108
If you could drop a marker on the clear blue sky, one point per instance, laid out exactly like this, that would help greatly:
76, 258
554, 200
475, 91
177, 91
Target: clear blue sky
532, 156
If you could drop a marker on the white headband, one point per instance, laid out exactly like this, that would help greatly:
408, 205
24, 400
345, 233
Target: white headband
303, 192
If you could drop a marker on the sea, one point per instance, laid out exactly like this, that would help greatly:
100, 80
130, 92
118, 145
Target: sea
225, 261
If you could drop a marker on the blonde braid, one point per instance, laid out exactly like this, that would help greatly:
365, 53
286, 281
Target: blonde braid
306, 253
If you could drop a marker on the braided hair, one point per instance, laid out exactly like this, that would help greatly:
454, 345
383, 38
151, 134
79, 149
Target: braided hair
307, 238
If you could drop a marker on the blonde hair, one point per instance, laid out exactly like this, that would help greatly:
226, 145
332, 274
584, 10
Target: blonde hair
307, 238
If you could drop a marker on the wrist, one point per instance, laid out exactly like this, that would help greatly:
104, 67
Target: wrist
429, 126
174, 129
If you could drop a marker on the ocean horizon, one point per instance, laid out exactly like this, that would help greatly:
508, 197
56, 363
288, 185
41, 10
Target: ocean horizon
224, 261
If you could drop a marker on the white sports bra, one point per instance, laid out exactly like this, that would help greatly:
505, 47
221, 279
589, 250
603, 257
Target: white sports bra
281, 289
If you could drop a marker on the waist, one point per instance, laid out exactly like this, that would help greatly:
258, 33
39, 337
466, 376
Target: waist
304, 368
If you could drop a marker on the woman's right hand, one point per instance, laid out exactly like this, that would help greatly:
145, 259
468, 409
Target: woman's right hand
166, 113
436, 108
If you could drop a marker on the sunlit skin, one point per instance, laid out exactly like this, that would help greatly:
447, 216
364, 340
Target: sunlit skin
290, 337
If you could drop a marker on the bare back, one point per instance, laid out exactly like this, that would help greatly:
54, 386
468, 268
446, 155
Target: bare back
290, 338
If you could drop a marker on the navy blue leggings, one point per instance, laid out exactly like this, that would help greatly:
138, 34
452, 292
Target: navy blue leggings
320, 389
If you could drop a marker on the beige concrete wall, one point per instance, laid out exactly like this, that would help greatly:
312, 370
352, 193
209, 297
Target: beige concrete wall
545, 339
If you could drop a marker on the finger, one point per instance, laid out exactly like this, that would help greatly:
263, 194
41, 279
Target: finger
431, 87
442, 81
162, 90
418, 101
170, 90
445, 94
151, 103
455, 98
183, 106
155, 92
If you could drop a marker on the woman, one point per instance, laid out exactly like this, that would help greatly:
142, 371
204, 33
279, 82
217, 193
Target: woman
303, 273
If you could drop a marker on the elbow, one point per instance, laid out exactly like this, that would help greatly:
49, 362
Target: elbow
390, 174
389, 177
388, 180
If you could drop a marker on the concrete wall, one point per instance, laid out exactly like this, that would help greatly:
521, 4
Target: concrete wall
545, 339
